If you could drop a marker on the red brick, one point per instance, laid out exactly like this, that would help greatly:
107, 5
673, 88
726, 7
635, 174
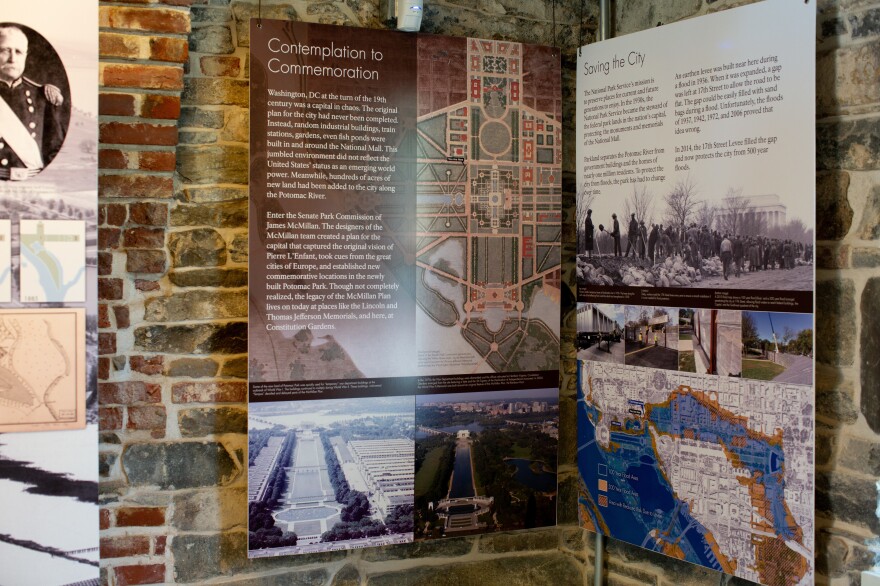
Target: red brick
105, 263
103, 368
140, 516
151, 77
129, 393
124, 546
110, 104
145, 417
145, 574
108, 238
146, 285
228, 392
112, 159
159, 544
220, 65
115, 213
105, 519
145, 261
103, 316
161, 107
118, 46
141, 186
109, 418
149, 366
157, 160
138, 133
169, 49
160, 20
122, 318
148, 213
106, 343
144, 238
109, 289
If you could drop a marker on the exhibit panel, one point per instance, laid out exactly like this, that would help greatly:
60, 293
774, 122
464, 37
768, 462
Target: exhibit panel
405, 221
48, 292
696, 232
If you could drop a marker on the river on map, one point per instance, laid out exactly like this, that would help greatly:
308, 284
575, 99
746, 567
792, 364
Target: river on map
639, 504
765, 460
541, 482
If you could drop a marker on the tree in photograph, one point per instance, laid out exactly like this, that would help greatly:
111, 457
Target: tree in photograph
749, 331
802, 344
753, 223
706, 214
400, 519
681, 203
357, 507
585, 199
792, 230
262, 532
737, 215
640, 203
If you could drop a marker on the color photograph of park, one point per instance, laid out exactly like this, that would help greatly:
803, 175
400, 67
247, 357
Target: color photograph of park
485, 462
777, 346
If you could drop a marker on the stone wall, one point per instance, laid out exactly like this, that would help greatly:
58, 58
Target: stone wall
172, 288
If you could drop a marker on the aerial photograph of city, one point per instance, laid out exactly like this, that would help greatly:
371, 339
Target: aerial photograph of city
485, 462
329, 475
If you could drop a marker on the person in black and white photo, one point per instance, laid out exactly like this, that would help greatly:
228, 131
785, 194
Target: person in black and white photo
34, 114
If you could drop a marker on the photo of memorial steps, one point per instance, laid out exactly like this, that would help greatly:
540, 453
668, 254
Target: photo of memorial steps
329, 475
485, 462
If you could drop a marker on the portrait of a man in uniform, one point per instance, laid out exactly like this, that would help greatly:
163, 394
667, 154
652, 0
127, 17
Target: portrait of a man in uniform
34, 112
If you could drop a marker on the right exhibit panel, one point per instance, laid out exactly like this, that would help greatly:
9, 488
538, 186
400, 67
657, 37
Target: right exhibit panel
696, 236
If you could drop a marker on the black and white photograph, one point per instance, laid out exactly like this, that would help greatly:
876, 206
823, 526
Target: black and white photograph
600, 328
689, 233
35, 106
329, 475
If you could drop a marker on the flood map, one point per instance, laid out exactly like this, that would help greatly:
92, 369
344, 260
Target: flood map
711, 470
42, 381
489, 206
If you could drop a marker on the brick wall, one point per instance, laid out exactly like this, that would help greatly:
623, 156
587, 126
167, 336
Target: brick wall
173, 274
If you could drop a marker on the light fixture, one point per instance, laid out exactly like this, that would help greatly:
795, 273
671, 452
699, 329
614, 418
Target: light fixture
409, 15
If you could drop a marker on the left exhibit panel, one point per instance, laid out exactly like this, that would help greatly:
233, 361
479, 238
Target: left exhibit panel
48, 293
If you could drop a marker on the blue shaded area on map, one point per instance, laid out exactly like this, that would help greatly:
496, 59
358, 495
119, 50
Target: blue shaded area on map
639, 499
765, 460
54, 290
635, 480
4, 274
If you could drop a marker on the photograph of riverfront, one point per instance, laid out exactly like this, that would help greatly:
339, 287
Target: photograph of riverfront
329, 475
485, 462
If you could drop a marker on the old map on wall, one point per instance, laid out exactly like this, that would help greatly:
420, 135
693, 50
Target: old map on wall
489, 206
42, 369
715, 471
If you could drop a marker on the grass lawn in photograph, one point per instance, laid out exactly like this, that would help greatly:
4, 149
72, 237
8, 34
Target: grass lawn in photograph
686, 362
425, 475
761, 369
